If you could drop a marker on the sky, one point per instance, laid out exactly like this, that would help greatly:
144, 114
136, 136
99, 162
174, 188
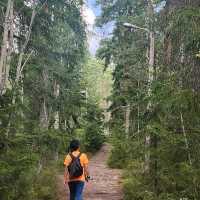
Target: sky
90, 12
95, 35
96, 9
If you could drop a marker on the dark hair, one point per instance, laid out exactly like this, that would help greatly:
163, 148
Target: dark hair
74, 145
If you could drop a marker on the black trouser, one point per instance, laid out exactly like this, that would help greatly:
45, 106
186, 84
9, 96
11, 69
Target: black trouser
76, 190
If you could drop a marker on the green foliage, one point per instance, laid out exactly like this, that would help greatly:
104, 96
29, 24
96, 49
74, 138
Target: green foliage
45, 184
96, 81
119, 154
165, 109
21, 177
94, 137
92, 133
40, 111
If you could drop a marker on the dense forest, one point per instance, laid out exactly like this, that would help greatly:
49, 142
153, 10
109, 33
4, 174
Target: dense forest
53, 90
155, 100
45, 94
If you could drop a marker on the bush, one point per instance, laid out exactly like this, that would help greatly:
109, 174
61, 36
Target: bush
118, 157
134, 185
20, 177
124, 150
91, 132
94, 137
172, 179
45, 184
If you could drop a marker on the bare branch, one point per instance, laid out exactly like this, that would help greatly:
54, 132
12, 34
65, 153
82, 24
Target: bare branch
25, 62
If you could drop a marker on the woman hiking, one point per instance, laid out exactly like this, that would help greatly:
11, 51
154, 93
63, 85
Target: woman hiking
76, 170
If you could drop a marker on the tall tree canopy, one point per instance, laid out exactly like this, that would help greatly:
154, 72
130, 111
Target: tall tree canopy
155, 98
42, 98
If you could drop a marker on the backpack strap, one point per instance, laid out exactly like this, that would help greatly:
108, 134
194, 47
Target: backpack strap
79, 155
72, 156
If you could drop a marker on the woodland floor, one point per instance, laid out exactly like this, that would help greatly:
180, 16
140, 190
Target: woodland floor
105, 183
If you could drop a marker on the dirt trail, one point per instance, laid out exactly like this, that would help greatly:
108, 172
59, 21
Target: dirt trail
105, 183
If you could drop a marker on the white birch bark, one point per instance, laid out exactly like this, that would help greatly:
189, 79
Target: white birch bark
138, 110
150, 78
188, 153
44, 119
56, 114
44, 114
5, 43
185, 139
21, 55
20, 65
127, 119
10, 45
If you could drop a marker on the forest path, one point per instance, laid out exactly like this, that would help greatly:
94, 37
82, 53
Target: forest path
105, 183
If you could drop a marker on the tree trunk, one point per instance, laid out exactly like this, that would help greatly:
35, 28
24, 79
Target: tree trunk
44, 114
168, 49
188, 154
127, 119
10, 46
44, 118
185, 139
155, 163
5, 42
40, 166
56, 114
20, 66
125, 88
150, 11
138, 110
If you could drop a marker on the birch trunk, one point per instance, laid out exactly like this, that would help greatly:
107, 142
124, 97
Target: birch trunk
44, 115
127, 119
56, 114
150, 11
125, 87
10, 47
44, 119
185, 139
40, 166
138, 110
5, 43
188, 153
20, 66
150, 79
